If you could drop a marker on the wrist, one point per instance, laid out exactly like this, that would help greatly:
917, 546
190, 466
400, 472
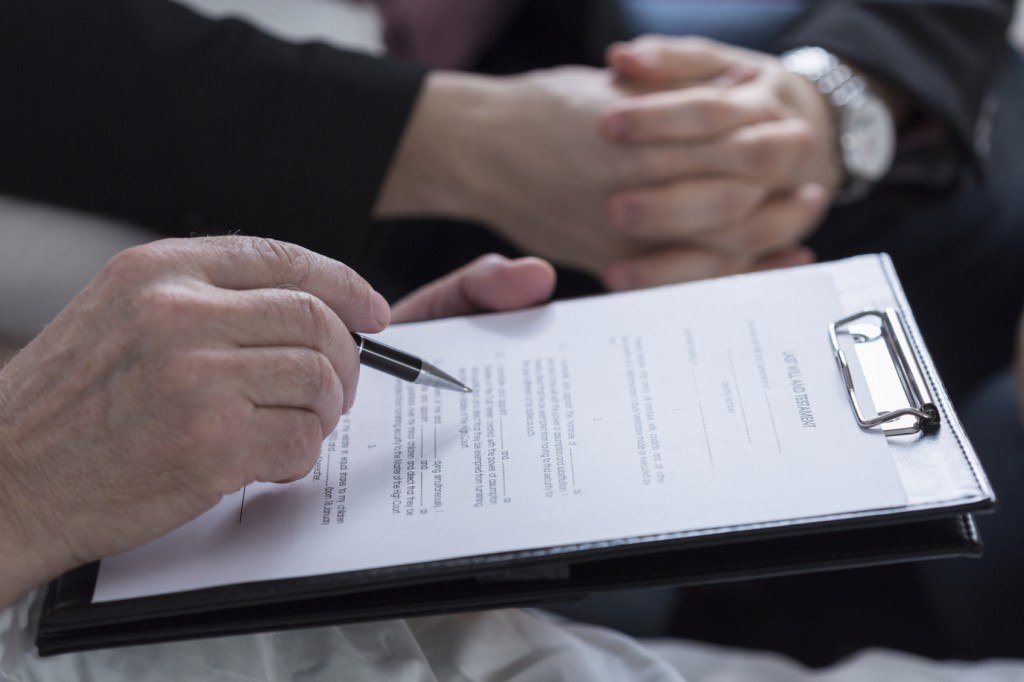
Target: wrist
864, 123
814, 106
440, 167
28, 556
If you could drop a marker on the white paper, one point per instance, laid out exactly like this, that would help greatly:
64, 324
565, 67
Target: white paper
675, 409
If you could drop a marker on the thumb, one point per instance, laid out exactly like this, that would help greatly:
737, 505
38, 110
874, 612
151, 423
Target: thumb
489, 283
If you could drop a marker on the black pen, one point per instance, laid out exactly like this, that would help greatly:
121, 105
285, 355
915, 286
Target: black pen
404, 366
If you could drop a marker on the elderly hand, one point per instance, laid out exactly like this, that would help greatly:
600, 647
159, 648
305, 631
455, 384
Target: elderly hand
185, 370
761, 158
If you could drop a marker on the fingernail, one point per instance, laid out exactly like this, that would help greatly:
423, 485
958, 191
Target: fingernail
624, 213
814, 193
645, 55
616, 126
381, 309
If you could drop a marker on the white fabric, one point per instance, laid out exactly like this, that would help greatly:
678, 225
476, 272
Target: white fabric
47, 255
347, 24
512, 645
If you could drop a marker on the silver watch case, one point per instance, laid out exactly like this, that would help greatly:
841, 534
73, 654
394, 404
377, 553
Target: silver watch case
867, 138
867, 134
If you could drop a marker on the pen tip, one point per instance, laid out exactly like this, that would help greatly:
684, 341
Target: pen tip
467, 389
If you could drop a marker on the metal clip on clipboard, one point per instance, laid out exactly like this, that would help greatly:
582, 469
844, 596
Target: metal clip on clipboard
897, 388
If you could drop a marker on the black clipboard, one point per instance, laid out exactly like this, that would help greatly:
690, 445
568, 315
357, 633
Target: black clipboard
942, 477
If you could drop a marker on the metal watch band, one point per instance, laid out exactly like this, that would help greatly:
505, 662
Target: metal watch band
845, 90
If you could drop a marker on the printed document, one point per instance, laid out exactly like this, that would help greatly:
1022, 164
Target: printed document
675, 409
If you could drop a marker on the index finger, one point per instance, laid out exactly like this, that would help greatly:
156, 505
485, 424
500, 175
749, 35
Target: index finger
238, 262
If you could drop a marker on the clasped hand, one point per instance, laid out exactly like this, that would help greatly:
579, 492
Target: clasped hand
755, 159
686, 159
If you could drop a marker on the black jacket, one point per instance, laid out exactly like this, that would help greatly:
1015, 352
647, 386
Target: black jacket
942, 52
143, 110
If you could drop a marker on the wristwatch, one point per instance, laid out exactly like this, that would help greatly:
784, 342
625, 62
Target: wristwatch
867, 133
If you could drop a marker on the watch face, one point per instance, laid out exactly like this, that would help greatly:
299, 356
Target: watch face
868, 139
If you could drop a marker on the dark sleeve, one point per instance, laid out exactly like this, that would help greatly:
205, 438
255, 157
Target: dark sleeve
143, 110
944, 53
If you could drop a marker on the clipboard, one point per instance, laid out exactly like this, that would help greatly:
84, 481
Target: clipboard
894, 378
892, 384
